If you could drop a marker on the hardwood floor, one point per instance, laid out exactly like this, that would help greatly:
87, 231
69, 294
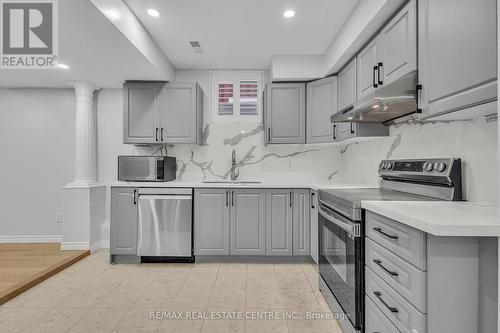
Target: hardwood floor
23, 266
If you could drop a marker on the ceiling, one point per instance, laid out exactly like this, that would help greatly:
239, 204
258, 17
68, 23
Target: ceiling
241, 34
93, 48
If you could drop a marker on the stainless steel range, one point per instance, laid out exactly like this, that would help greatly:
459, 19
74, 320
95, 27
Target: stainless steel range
341, 226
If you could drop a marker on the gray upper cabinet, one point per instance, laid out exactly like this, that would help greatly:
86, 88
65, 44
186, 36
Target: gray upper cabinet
142, 103
347, 86
247, 222
321, 104
182, 113
161, 113
301, 222
279, 222
366, 68
457, 54
123, 236
211, 221
397, 51
285, 118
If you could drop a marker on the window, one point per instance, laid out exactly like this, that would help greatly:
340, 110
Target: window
236, 96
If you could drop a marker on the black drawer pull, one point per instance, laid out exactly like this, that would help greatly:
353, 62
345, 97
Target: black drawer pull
385, 234
379, 296
379, 263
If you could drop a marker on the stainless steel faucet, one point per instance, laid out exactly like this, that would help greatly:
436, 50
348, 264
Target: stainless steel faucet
235, 172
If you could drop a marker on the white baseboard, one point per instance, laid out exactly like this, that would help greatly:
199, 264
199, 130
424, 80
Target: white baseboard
74, 246
31, 239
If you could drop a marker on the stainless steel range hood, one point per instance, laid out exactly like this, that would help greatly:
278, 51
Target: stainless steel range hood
387, 103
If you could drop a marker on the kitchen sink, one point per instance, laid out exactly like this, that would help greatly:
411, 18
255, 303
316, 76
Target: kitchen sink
231, 182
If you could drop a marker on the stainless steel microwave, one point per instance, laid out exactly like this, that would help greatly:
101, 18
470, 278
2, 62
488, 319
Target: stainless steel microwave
146, 168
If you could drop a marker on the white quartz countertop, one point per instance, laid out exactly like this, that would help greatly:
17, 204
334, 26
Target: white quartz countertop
441, 218
263, 184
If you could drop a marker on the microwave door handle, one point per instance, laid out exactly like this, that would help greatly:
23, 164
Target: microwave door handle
344, 226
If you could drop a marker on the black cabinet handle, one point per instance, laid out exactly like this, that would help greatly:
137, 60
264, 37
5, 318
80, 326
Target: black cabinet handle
375, 68
379, 296
379, 67
161, 134
157, 134
291, 199
269, 134
379, 263
379, 230
232, 198
312, 200
135, 197
227, 198
352, 128
334, 132
419, 90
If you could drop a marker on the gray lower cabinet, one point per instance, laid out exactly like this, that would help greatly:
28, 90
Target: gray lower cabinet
142, 103
422, 283
314, 226
123, 228
457, 59
301, 222
321, 104
248, 222
347, 86
161, 113
279, 222
284, 113
211, 221
182, 113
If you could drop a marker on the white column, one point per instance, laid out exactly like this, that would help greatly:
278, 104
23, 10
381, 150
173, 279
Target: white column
85, 134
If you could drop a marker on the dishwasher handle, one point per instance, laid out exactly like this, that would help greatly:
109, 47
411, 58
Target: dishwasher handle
165, 197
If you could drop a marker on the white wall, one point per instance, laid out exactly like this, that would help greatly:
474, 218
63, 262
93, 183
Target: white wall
36, 132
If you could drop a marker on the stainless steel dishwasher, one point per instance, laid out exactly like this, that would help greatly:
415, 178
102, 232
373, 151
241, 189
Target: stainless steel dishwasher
165, 230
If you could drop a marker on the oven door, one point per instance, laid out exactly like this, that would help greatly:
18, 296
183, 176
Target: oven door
341, 262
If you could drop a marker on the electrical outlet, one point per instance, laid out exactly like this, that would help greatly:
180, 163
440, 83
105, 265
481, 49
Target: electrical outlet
59, 217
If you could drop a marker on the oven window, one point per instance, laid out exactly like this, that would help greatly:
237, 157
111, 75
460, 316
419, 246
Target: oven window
335, 249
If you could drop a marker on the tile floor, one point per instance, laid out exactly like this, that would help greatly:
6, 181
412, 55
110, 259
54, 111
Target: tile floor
93, 296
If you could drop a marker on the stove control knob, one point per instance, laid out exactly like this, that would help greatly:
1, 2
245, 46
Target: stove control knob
439, 167
428, 166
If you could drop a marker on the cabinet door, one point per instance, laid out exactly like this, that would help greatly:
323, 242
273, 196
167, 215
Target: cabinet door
347, 86
343, 131
180, 117
321, 104
141, 112
398, 55
366, 65
211, 221
457, 55
123, 228
286, 113
247, 222
314, 226
279, 222
301, 222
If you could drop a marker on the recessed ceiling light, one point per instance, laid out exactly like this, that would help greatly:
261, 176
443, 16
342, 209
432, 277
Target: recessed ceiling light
114, 15
153, 12
289, 13
63, 66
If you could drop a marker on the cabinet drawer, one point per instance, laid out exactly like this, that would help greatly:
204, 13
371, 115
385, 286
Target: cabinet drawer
375, 320
405, 316
406, 242
408, 280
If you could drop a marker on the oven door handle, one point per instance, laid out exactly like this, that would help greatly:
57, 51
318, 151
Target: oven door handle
350, 229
